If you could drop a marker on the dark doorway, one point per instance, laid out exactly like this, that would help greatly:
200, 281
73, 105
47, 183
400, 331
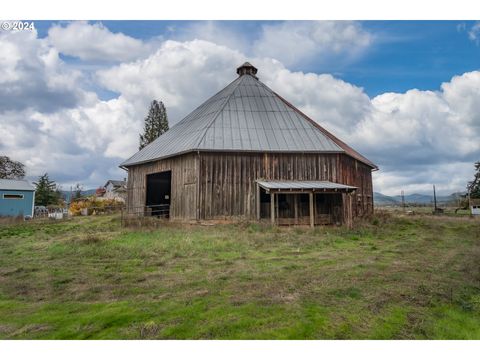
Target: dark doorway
294, 208
328, 209
264, 204
159, 187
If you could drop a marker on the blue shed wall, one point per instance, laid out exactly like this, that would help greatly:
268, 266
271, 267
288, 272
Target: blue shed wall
15, 207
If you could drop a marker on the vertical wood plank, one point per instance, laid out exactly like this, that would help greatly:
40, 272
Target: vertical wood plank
295, 207
312, 215
272, 207
258, 202
225, 182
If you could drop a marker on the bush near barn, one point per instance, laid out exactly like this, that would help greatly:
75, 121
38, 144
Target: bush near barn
93, 206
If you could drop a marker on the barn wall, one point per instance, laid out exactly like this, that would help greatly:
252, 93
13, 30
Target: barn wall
184, 185
227, 180
227, 188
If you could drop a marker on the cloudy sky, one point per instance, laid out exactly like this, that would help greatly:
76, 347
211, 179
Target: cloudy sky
73, 95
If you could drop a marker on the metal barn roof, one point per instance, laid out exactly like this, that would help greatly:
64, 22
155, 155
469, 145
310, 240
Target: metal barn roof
244, 116
19, 185
303, 185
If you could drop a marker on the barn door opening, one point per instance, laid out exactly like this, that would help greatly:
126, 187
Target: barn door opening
264, 204
159, 186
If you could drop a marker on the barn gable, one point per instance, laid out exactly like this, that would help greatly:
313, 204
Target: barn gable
246, 116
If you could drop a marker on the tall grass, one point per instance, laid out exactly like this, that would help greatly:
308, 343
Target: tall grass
390, 277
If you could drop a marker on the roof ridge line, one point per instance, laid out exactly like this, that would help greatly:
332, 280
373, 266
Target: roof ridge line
220, 109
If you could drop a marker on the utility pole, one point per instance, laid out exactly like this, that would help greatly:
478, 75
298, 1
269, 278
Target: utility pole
434, 200
403, 201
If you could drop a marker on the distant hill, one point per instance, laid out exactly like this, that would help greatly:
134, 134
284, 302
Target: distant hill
416, 199
381, 199
67, 194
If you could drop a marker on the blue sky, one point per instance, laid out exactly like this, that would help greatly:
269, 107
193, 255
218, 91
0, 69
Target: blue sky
406, 55
403, 93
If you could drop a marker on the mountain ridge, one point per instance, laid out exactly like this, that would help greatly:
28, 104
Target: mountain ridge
416, 198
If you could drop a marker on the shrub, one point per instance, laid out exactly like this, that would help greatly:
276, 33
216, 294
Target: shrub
94, 206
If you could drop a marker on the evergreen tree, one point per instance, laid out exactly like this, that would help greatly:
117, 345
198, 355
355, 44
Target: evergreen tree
10, 169
474, 186
156, 123
77, 192
46, 191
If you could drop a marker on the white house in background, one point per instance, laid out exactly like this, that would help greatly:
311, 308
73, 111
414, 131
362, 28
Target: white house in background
475, 207
115, 189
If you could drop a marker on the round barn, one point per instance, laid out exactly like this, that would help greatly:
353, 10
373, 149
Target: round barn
247, 153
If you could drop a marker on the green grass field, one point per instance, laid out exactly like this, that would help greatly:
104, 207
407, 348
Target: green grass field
395, 277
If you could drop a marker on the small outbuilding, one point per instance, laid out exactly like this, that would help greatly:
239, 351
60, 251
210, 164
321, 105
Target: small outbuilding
17, 198
247, 153
475, 207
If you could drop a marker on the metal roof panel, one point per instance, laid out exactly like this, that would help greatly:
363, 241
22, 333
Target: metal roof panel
16, 185
302, 185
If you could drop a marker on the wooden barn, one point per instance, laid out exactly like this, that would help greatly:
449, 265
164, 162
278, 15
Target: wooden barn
247, 153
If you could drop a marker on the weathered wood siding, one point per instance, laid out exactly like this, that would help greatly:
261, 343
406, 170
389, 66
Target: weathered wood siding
227, 180
222, 185
184, 170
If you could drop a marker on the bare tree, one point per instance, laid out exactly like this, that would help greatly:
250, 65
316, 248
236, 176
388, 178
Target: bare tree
10, 169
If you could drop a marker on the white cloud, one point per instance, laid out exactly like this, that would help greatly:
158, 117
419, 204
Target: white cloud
184, 74
474, 33
95, 42
181, 74
417, 137
291, 42
297, 42
84, 144
425, 127
423, 137
447, 177
32, 75
417, 132
332, 102
50, 122
217, 32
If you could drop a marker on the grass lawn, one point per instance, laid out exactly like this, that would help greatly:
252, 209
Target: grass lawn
398, 277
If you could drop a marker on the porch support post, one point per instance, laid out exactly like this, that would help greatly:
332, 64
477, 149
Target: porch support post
272, 207
258, 202
312, 215
347, 209
350, 212
295, 207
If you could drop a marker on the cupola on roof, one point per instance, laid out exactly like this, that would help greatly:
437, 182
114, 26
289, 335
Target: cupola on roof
247, 69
